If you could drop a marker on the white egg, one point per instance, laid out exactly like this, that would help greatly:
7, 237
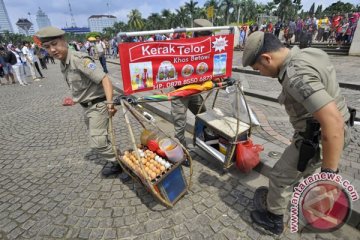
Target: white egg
157, 158
167, 165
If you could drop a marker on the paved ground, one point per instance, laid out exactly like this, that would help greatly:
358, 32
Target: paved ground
51, 188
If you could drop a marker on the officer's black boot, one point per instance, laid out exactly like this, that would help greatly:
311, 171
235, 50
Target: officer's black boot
112, 168
272, 222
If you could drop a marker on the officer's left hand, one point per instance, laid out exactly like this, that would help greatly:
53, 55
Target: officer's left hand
111, 109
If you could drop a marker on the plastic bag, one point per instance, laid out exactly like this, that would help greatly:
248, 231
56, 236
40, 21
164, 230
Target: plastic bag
68, 101
241, 106
247, 155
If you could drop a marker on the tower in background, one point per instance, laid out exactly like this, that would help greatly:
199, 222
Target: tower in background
5, 24
42, 19
25, 27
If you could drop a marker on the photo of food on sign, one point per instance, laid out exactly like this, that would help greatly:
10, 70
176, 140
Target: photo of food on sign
219, 64
166, 72
201, 68
187, 70
141, 75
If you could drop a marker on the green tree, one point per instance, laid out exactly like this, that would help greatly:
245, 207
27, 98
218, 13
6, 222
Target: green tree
318, 11
285, 10
249, 11
226, 5
269, 7
340, 7
215, 5
120, 27
167, 18
182, 17
154, 22
312, 9
14, 38
191, 8
135, 20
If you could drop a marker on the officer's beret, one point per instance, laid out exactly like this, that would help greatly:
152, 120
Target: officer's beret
252, 48
49, 33
202, 23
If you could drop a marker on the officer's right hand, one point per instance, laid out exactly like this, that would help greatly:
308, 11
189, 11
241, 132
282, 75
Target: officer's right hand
111, 109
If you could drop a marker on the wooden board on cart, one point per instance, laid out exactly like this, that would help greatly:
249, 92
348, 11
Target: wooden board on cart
224, 125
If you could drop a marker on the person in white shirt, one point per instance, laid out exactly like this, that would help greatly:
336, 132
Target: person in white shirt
100, 50
31, 60
17, 67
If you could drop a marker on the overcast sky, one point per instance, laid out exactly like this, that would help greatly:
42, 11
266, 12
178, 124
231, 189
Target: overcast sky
58, 10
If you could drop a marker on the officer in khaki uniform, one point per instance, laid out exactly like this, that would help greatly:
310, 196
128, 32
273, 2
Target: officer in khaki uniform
90, 87
312, 99
180, 106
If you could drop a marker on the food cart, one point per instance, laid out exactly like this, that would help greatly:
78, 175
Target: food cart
155, 159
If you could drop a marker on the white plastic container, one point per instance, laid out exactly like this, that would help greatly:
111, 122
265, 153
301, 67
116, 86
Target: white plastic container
172, 150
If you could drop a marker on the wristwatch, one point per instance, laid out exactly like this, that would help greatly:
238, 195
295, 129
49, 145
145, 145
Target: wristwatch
329, 170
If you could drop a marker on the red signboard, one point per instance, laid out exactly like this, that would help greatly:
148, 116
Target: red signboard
154, 65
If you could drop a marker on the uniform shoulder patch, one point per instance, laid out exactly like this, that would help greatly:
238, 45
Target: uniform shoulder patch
88, 63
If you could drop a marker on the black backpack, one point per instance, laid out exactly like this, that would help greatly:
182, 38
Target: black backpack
11, 58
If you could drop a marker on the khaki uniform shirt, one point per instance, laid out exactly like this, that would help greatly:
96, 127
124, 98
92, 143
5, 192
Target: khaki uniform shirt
309, 83
83, 77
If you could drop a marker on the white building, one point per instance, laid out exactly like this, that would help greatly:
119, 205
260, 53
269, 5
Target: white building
98, 22
42, 19
5, 24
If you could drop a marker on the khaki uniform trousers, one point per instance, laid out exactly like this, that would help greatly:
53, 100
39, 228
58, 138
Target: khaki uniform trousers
178, 111
97, 121
284, 175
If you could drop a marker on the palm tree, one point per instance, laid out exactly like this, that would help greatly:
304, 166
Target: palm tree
248, 8
120, 27
269, 7
154, 22
135, 21
227, 4
214, 4
167, 18
285, 9
181, 17
191, 8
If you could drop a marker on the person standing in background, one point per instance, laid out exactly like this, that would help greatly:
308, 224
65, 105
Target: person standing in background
17, 67
29, 60
100, 50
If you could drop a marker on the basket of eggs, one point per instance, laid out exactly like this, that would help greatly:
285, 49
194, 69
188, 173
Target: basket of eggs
156, 161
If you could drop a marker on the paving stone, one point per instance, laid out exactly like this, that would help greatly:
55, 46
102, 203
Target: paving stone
85, 233
14, 234
196, 235
110, 234
180, 230
123, 232
59, 232
253, 234
230, 233
167, 234
9, 227
216, 226
96, 234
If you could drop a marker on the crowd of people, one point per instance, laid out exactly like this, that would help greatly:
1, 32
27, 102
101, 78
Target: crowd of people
19, 61
337, 29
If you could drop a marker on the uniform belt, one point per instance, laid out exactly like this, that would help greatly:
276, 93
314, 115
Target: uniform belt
93, 102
